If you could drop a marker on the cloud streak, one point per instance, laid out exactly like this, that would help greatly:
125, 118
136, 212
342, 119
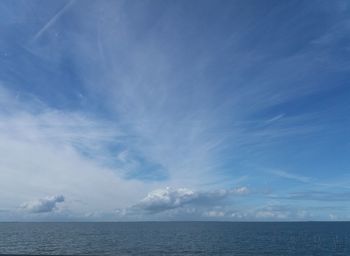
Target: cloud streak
291, 176
325, 196
53, 19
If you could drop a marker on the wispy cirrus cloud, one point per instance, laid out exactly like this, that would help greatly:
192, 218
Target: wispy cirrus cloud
124, 100
325, 196
291, 176
172, 108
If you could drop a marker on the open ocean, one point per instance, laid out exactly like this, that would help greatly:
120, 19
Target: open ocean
176, 238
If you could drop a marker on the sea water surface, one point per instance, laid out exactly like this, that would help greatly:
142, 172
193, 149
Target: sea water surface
176, 238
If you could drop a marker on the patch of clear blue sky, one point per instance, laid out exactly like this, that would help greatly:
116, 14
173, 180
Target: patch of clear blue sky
278, 71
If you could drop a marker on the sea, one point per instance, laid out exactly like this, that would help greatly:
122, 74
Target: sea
176, 238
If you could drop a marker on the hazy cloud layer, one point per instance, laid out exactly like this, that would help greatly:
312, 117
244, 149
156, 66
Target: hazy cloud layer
49, 151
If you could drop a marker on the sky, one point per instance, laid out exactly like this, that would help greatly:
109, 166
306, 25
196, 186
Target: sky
174, 110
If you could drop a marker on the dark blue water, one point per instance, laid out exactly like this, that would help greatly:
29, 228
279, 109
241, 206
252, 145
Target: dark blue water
176, 238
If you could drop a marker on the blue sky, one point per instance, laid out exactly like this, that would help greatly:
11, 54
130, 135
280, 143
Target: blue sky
174, 110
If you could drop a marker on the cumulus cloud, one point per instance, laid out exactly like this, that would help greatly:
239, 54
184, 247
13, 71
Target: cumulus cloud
214, 213
165, 199
47, 204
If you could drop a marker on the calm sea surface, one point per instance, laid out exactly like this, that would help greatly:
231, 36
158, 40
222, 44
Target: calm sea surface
176, 238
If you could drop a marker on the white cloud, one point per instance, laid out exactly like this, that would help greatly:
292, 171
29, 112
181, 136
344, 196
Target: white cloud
215, 214
240, 190
165, 199
333, 216
265, 214
178, 115
46, 151
47, 204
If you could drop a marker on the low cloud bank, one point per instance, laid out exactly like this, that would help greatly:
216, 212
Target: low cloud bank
47, 204
165, 199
